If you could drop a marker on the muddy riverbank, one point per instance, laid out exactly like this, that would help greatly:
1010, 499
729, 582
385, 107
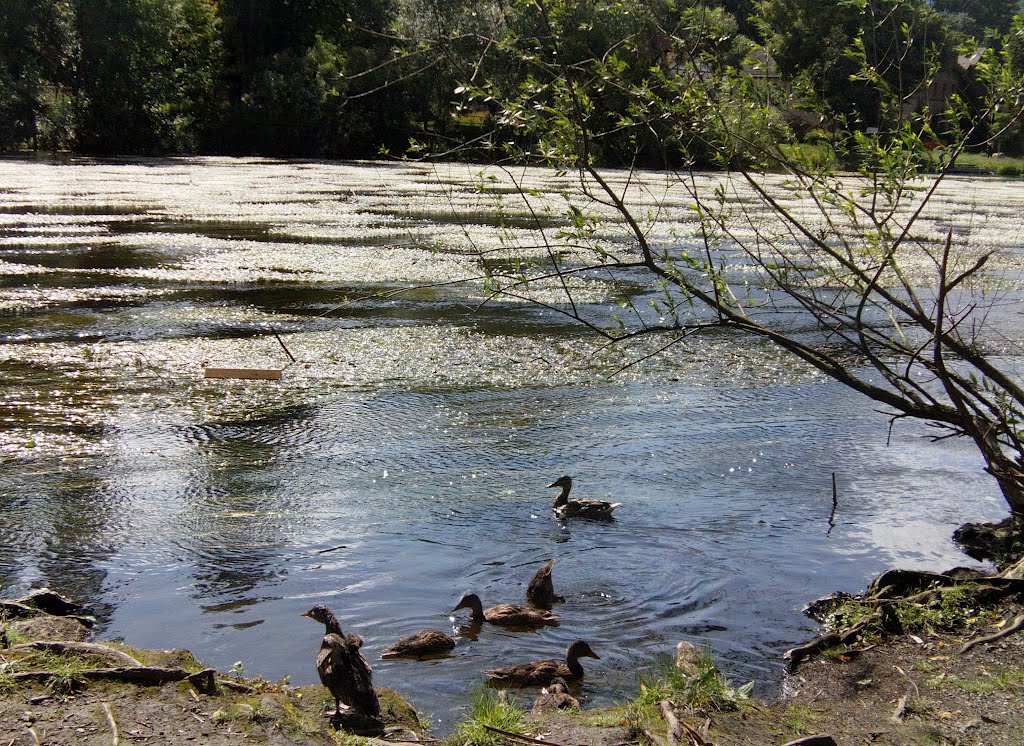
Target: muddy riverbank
950, 672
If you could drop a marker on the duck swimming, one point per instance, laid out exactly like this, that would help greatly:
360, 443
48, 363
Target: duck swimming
543, 672
342, 668
566, 508
427, 643
541, 590
506, 615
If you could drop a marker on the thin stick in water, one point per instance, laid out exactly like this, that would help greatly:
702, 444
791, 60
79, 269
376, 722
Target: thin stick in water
835, 505
281, 342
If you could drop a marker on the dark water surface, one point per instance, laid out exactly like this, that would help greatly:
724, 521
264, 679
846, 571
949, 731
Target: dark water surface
403, 460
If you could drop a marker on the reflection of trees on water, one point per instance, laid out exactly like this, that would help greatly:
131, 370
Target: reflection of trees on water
59, 525
243, 503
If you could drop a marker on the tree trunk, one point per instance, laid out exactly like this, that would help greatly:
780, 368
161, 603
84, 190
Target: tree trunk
1007, 472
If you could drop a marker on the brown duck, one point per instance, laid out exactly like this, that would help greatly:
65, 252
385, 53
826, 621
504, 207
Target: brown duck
427, 643
506, 615
542, 673
541, 590
342, 668
566, 508
555, 696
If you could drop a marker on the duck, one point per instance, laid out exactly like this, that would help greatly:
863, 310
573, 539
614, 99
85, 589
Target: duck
566, 508
427, 643
541, 591
342, 668
543, 672
506, 615
555, 696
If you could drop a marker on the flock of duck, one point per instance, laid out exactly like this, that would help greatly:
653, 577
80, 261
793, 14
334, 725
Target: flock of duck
348, 676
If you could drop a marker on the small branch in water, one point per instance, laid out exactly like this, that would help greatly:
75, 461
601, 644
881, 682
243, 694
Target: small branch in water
112, 723
332, 549
835, 505
281, 342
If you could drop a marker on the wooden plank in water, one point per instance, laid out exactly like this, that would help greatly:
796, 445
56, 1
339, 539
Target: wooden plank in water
253, 374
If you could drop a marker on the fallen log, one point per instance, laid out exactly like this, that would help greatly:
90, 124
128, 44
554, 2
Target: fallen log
139, 675
82, 648
828, 640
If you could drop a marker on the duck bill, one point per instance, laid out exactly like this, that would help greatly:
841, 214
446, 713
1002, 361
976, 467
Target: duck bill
306, 613
553, 484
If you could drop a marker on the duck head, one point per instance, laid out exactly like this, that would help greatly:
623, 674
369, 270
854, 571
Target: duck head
565, 483
558, 685
580, 649
325, 616
472, 602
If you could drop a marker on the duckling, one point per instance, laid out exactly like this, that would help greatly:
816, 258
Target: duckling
427, 643
555, 696
566, 508
342, 668
506, 615
542, 673
541, 591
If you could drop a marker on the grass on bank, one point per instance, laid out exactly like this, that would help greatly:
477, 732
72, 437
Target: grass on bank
1007, 680
488, 708
705, 690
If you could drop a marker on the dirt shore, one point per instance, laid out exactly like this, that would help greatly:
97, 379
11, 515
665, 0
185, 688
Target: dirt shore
912, 686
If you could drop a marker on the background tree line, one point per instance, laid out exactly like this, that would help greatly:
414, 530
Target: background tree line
343, 78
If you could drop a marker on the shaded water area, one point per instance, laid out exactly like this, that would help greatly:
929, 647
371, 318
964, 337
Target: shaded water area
403, 458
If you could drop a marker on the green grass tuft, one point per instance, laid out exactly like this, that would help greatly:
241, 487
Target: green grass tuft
801, 719
65, 673
489, 708
706, 690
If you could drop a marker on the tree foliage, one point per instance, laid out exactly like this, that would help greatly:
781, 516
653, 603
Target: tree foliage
353, 77
149, 73
854, 287
38, 57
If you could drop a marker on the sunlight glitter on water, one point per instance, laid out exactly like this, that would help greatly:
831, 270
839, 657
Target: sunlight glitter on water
402, 459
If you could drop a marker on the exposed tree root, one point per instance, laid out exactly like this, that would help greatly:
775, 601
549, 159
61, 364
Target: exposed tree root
889, 591
140, 675
1015, 626
82, 648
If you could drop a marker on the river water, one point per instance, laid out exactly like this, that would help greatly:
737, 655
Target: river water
403, 458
